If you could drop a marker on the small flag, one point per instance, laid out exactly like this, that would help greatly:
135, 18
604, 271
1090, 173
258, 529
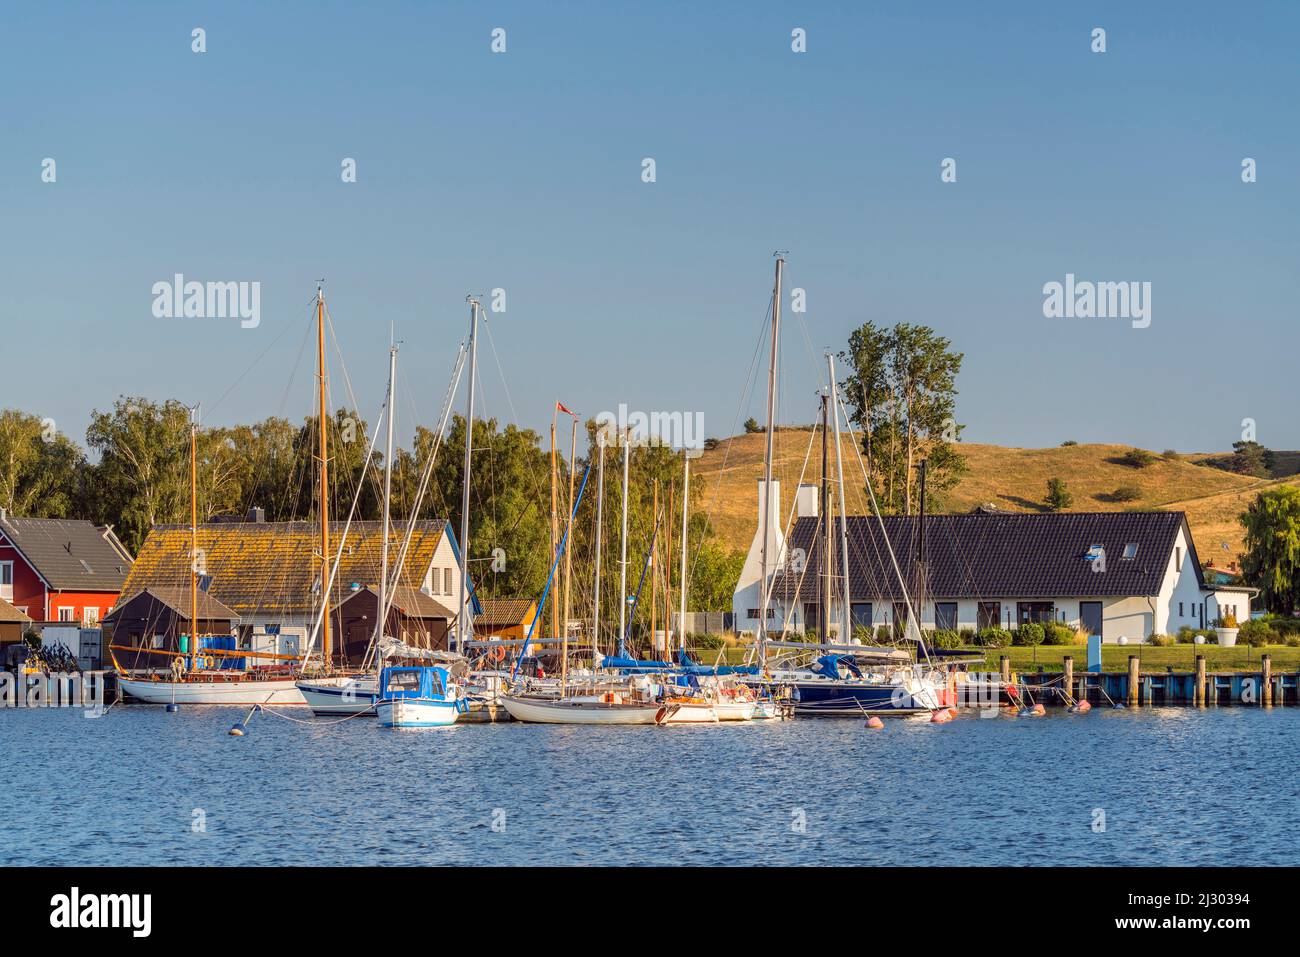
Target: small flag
561, 407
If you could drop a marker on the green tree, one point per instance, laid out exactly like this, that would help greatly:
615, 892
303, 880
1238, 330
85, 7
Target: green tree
752, 426
41, 472
142, 476
1272, 559
901, 391
1058, 496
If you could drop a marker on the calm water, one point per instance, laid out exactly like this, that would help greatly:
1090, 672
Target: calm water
1178, 786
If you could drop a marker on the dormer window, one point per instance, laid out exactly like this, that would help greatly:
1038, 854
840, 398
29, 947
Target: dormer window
1130, 551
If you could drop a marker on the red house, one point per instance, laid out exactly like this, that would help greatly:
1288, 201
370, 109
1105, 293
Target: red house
57, 569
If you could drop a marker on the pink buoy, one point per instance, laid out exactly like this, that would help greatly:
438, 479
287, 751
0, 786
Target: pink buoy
942, 716
1039, 709
1082, 707
875, 723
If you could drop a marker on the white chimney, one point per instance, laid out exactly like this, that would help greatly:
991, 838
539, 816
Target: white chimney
806, 503
774, 510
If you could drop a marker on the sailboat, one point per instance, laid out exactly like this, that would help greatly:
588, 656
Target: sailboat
847, 679
205, 669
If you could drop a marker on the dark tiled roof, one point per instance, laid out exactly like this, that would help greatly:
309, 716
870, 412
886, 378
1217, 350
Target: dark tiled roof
176, 599
1012, 555
70, 554
408, 601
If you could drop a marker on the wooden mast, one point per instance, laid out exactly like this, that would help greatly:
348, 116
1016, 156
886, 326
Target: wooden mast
326, 650
568, 555
194, 541
555, 525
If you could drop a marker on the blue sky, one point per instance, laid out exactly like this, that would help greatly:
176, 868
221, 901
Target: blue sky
522, 171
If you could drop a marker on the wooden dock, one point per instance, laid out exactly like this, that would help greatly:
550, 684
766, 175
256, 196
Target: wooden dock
1136, 688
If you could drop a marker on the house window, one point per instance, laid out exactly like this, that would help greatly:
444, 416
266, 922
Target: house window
1180, 609
7, 580
754, 615
811, 611
67, 613
90, 616
1178, 558
989, 615
1130, 551
861, 614
446, 581
945, 616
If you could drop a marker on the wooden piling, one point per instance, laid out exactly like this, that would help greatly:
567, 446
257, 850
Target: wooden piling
1069, 678
1134, 678
1198, 683
1266, 692
1004, 665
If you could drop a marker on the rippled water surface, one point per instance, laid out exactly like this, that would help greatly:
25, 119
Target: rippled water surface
1176, 785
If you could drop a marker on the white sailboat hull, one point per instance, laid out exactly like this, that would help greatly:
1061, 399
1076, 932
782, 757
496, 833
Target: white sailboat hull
569, 711
691, 713
239, 691
416, 713
735, 710
340, 696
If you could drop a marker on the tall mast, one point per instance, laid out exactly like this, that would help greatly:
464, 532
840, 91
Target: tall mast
824, 626
555, 527
568, 537
920, 549
654, 564
844, 530
600, 522
465, 626
622, 560
326, 650
194, 540
767, 470
382, 618
686, 504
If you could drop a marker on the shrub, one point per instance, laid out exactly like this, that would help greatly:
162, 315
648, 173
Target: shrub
1055, 633
944, 638
1058, 496
1257, 634
1227, 621
1126, 493
1292, 641
966, 636
707, 642
1186, 635
1068, 442
1160, 641
752, 426
993, 638
1029, 634
1137, 458
884, 635
863, 633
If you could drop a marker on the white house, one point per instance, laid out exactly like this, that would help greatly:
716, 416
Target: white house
1117, 574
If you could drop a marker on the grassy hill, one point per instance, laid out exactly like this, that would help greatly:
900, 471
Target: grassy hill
1009, 478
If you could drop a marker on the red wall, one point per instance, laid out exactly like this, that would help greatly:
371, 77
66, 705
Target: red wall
29, 592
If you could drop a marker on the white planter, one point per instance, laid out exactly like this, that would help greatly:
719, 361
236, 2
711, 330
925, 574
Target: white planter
1227, 636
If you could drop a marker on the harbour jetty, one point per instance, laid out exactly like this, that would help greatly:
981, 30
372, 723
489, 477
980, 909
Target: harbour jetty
1136, 688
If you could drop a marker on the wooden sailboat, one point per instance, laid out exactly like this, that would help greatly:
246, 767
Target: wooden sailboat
200, 671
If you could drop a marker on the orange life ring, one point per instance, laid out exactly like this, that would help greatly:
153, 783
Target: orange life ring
497, 653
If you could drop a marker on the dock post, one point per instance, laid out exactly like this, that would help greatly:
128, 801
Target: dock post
1069, 678
1198, 683
1004, 665
1133, 680
1266, 692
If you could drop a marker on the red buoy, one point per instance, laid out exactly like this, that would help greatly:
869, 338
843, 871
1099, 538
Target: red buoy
1082, 707
1039, 709
875, 723
942, 716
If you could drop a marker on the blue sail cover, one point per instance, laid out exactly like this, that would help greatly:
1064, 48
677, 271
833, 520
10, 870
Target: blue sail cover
829, 666
691, 668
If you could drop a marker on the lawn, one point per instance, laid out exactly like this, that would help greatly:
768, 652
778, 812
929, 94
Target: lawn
1113, 657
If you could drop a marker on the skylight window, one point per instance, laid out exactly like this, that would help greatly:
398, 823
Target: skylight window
1130, 551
